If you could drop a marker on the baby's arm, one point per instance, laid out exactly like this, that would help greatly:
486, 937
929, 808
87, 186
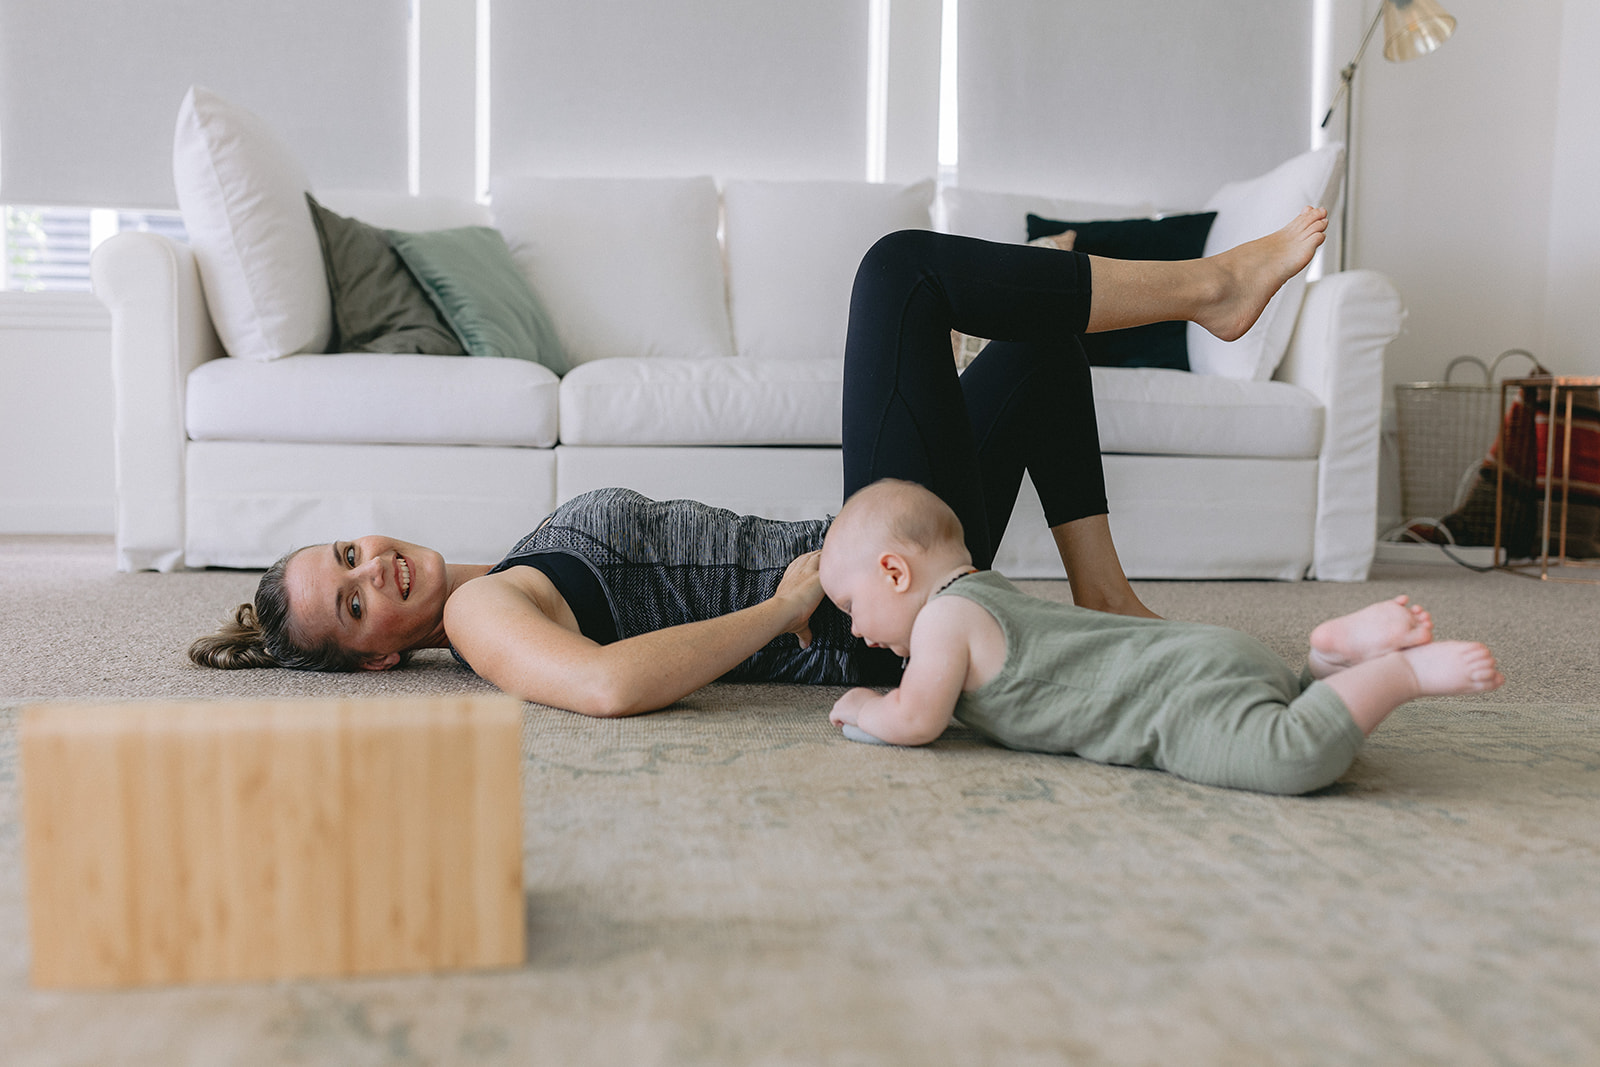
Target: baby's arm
919, 710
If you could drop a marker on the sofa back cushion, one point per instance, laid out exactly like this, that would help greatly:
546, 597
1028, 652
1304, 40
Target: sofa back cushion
242, 193
793, 249
624, 266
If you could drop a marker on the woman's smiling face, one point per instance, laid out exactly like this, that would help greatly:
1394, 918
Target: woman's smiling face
373, 596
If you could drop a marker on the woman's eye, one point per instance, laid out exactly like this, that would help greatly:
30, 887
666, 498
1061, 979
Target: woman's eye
350, 555
355, 607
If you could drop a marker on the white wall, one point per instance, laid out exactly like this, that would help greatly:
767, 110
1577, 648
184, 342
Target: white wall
55, 414
1141, 101
1572, 284
1475, 180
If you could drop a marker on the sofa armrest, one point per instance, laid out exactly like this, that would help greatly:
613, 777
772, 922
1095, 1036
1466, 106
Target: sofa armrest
1346, 322
160, 331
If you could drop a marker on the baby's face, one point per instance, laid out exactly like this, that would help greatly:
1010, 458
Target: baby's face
860, 585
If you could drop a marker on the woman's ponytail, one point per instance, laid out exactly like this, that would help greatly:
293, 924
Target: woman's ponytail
239, 644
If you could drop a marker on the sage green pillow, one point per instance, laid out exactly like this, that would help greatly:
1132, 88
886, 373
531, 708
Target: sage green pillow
377, 305
475, 284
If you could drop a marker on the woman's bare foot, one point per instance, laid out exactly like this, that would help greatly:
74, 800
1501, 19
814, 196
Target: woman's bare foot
1250, 274
1377, 629
1447, 668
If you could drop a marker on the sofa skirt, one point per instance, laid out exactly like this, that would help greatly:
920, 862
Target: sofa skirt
1182, 517
249, 502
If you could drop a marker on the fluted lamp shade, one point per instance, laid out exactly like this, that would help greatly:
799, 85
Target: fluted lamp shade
1413, 28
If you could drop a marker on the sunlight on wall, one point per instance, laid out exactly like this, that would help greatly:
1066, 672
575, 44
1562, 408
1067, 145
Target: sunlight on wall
948, 125
877, 89
414, 100
481, 110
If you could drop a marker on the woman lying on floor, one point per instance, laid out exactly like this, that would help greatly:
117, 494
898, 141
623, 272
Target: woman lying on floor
618, 604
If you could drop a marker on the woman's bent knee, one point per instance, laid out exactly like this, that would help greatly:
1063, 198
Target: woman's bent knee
899, 250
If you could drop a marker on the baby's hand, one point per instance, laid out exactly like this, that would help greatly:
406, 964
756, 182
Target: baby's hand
847, 709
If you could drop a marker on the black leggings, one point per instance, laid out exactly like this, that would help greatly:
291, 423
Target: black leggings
1026, 402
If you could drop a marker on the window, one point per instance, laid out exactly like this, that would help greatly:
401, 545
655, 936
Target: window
47, 249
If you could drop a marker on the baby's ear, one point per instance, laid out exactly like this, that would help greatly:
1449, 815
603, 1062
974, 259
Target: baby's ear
894, 567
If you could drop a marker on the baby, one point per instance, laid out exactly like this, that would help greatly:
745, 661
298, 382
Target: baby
1207, 703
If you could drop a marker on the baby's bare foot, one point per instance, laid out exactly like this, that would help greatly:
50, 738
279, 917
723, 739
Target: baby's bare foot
1445, 668
1252, 272
1387, 626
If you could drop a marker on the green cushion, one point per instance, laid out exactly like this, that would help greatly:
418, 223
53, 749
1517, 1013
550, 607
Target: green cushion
377, 305
475, 283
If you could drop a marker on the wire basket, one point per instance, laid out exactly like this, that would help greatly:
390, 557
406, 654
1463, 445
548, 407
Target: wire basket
1446, 430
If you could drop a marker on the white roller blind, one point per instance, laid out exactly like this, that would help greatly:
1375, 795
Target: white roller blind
1140, 100
89, 90
627, 88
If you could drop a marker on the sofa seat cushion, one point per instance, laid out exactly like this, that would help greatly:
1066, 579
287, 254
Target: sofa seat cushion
1152, 411
374, 399
651, 401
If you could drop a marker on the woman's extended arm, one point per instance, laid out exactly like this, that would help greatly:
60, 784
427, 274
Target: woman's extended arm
497, 623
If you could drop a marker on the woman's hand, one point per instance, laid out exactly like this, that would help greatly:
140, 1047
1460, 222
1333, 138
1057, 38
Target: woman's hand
801, 591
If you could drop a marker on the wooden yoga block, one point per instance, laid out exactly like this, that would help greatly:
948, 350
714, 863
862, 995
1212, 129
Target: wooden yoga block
206, 841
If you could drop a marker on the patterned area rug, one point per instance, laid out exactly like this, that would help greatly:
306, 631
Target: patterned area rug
734, 883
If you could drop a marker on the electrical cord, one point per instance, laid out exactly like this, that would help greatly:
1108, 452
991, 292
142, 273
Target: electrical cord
1404, 531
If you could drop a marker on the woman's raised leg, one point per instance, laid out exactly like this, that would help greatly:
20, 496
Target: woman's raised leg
905, 413
1023, 405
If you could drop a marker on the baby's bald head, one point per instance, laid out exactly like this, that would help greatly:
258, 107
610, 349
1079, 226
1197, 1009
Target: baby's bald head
885, 554
898, 514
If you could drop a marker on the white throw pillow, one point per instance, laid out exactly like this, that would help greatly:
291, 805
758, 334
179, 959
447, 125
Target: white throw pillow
242, 193
793, 250
1247, 210
1004, 216
625, 266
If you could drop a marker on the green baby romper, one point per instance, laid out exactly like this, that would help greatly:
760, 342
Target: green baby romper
1204, 702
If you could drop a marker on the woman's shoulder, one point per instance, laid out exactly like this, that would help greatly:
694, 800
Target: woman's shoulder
489, 604
495, 585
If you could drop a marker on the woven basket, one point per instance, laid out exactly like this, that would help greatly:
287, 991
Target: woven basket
1446, 430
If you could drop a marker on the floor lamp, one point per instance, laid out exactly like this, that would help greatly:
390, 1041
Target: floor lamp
1411, 28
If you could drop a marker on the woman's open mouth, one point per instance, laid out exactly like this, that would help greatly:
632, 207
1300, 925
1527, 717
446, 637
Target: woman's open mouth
402, 575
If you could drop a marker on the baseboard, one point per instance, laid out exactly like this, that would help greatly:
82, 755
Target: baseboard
1414, 554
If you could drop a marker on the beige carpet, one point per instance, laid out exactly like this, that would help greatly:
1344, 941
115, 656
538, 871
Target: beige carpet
731, 882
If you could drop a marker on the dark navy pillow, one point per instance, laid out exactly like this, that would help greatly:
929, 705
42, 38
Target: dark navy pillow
1160, 344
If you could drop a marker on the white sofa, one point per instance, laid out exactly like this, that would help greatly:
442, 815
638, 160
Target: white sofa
706, 324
